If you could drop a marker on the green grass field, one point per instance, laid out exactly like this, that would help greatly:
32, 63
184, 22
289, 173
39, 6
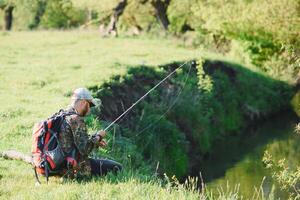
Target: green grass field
38, 70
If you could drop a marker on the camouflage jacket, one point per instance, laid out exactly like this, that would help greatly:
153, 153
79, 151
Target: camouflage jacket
74, 137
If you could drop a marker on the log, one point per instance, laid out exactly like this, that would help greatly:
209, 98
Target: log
16, 155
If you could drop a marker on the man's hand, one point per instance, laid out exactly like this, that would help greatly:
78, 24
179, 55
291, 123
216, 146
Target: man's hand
101, 133
102, 143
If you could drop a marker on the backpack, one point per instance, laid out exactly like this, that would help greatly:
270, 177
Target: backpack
47, 154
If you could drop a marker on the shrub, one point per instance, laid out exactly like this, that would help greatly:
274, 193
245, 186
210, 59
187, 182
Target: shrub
61, 14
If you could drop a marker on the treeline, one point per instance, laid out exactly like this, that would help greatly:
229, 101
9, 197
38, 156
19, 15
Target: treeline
259, 32
113, 14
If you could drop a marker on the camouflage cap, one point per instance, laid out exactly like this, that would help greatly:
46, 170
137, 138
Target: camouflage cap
83, 93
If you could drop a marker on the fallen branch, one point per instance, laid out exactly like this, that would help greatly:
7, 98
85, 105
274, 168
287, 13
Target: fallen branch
15, 155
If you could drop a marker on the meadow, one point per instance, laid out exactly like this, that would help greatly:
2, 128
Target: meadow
38, 71
248, 67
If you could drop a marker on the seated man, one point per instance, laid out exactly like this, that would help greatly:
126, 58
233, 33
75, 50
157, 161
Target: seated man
76, 142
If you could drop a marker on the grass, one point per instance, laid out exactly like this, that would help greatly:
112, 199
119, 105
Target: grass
38, 71
23, 187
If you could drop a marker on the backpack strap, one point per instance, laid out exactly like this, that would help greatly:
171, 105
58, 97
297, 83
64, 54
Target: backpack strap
64, 113
47, 171
36, 176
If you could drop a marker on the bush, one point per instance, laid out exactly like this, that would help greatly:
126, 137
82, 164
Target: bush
61, 14
288, 180
262, 34
287, 177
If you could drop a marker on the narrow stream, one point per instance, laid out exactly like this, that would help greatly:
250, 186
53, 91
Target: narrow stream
238, 160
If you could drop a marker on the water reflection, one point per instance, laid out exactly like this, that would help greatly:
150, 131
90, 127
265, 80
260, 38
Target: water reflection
296, 103
239, 160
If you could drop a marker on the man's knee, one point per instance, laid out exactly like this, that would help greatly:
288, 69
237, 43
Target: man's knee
103, 166
117, 167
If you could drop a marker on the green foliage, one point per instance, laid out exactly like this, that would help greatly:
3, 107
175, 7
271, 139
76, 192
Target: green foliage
2, 4
205, 82
262, 34
162, 142
288, 179
138, 15
155, 141
39, 9
51, 14
286, 175
101, 10
209, 101
179, 13
21, 14
5, 3
61, 14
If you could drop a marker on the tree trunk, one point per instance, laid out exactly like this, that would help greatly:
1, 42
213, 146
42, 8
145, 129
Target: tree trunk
8, 17
15, 155
117, 12
161, 8
41, 8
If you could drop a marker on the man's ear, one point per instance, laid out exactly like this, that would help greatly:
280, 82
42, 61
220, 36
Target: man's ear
80, 103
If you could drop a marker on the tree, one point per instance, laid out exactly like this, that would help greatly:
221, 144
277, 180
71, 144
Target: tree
160, 10
39, 12
23, 9
117, 12
8, 7
108, 13
161, 7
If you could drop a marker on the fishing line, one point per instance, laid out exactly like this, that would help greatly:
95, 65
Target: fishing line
140, 99
170, 107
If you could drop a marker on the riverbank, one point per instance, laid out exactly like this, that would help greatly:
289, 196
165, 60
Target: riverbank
177, 125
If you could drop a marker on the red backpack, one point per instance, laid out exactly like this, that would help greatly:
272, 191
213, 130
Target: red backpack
47, 154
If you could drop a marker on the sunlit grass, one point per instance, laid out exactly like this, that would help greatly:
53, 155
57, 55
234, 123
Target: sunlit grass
38, 71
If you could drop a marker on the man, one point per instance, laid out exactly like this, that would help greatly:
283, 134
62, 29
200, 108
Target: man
75, 141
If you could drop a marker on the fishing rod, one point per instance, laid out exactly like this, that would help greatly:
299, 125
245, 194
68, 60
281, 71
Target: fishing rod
169, 108
140, 99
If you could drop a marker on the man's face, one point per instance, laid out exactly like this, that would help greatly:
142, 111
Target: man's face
85, 108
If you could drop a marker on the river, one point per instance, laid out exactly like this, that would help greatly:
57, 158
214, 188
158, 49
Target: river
237, 161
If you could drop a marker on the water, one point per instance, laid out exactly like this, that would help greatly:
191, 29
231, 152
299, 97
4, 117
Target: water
238, 160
